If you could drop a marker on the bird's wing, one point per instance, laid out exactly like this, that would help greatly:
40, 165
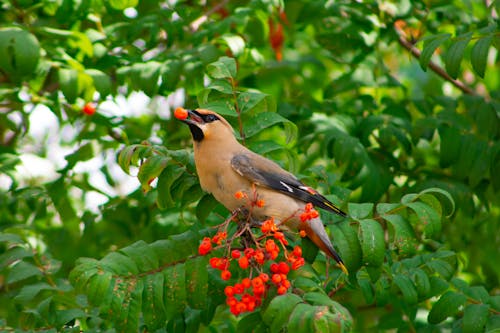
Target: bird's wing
264, 172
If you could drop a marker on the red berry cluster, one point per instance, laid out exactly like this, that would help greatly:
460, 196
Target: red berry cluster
309, 213
266, 258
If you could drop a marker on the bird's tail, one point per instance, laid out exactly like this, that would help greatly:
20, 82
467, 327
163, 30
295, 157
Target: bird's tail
317, 233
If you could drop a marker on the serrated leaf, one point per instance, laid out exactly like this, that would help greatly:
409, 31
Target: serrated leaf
302, 318
221, 85
455, 54
118, 263
197, 282
60, 198
142, 255
438, 285
404, 236
430, 45
442, 267
265, 120
205, 206
428, 217
407, 288
278, 311
445, 193
83, 153
235, 43
30, 291
153, 308
422, 283
131, 155
99, 289
166, 179
479, 54
151, 169
364, 282
371, 236
224, 68
448, 305
384, 208
346, 240
13, 254
475, 318
126, 305
174, 290
360, 210
22, 270
10, 238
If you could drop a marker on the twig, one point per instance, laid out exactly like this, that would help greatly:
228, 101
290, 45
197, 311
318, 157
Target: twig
432, 65
202, 19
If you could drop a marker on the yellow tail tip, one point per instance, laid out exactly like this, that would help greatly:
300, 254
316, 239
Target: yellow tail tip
343, 268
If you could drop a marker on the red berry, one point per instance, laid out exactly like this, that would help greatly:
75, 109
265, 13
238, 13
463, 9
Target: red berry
180, 113
283, 267
89, 108
235, 254
225, 275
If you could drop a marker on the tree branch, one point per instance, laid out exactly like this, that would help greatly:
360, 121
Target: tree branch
432, 65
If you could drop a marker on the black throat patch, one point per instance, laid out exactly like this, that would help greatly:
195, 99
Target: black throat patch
196, 132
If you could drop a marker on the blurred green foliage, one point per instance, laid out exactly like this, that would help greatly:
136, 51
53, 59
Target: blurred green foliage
391, 108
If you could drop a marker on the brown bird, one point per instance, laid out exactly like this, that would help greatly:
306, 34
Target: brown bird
226, 167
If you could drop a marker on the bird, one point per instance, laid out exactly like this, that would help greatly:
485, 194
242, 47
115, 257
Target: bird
225, 167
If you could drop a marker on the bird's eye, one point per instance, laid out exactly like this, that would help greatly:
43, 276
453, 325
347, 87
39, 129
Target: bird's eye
210, 117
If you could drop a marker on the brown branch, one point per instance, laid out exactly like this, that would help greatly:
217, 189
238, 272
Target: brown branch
432, 65
202, 19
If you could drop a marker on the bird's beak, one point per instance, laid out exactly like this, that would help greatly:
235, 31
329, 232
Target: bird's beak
193, 118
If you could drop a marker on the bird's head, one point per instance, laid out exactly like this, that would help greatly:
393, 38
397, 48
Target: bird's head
205, 124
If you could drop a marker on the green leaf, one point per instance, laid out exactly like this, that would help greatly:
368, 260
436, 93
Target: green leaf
278, 311
224, 68
448, 305
174, 291
455, 54
126, 305
235, 43
13, 254
197, 282
118, 263
123, 4
143, 256
83, 153
302, 318
360, 210
428, 217
430, 45
166, 179
131, 155
422, 283
479, 53
151, 169
442, 267
449, 147
404, 236
475, 318
22, 270
102, 82
205, 206
153, 307
364, 282
346, 240
407, 288
30, 291
264, 120
371, 236
446, 194
60, 198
